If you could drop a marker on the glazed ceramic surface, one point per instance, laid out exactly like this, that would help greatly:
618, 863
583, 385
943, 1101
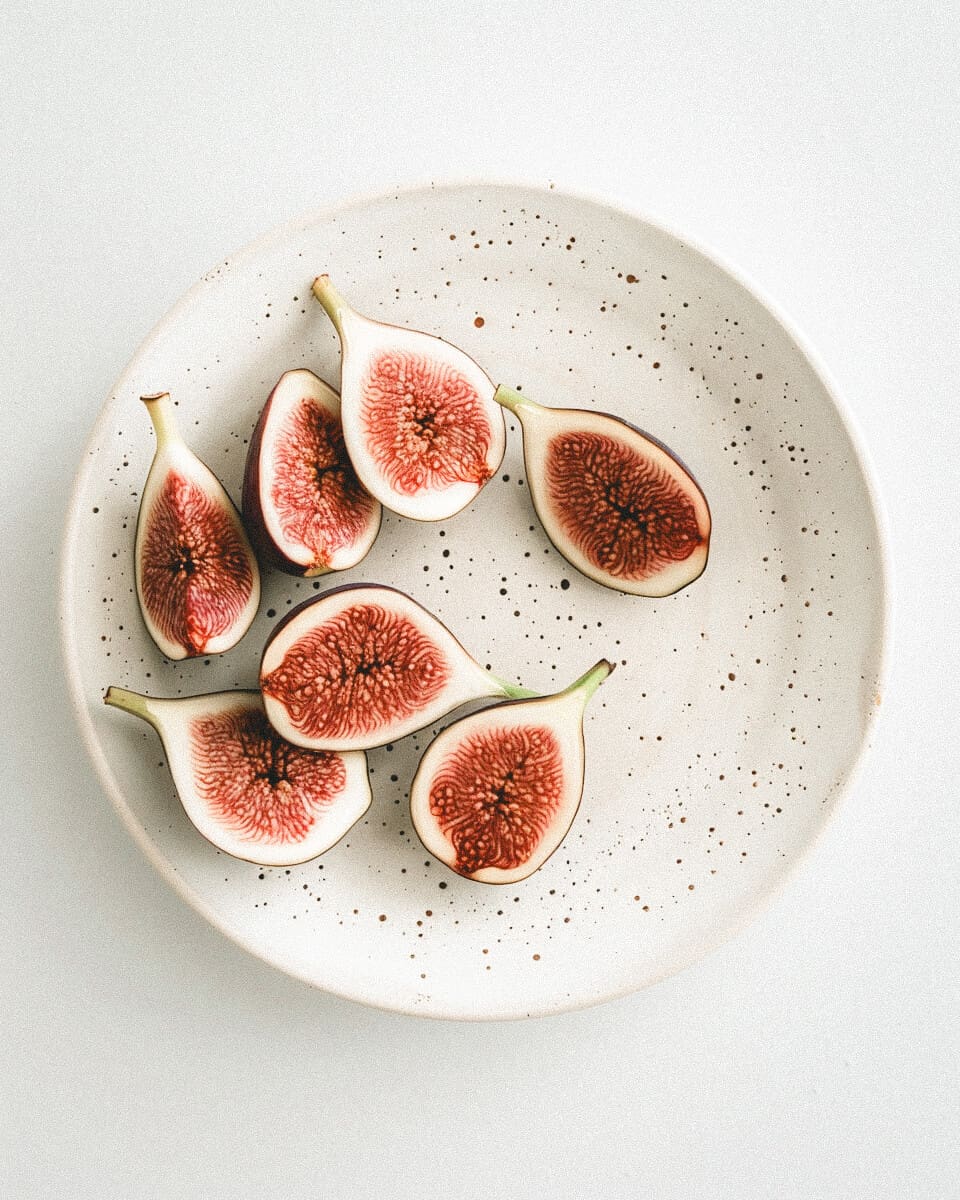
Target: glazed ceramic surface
739, 707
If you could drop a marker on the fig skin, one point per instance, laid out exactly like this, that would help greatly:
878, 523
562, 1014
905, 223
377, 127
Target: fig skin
474, 824
269, 551
322, 820
673, 486
424, 466
207, 603
294, 664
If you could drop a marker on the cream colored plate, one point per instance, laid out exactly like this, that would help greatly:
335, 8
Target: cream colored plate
717, 750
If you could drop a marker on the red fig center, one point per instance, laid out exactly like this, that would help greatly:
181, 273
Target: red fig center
424, 423
316, 495
361, 669
625, 513
496, 795
256, 784
196, 577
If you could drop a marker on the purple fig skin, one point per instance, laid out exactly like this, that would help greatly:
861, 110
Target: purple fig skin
264, 545
267, 551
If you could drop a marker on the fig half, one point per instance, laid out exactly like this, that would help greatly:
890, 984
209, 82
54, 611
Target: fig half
305, 509
419, 420
496, 792
197, 578
616, 503
363, 665
249, 792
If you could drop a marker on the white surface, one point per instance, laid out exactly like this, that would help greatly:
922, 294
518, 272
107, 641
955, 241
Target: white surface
812, 144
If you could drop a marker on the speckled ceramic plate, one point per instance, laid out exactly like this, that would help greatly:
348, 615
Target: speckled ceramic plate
740, 706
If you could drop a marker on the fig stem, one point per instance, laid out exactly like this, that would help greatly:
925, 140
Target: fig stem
333, 303
512, 400
514, 691
588, 683
130, 702
160, 408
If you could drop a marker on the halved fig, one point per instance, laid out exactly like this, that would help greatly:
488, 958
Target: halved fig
616, 503
305, 509
419, 420
197, 578
249, 792
497, 791
363, 665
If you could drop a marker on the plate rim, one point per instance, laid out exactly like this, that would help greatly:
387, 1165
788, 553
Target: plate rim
616, 207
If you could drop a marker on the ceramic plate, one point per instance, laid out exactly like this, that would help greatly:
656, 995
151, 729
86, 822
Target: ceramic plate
739, 708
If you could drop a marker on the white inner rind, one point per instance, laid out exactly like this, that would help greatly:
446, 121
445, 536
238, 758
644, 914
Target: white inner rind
174, 455
467, 680
362, 340
540, 425
291, 390
173, 719
563, 713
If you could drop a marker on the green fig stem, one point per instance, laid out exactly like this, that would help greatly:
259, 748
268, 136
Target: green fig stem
333, 303
514, 691
512, 400
160, 408
588, 683
131, 702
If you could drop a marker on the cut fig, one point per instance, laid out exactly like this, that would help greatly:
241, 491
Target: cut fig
363, 665
616, 503
419, 420
305, 509
249, 792
197, 577
496, 792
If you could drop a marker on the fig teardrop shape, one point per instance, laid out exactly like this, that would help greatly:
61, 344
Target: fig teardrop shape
615, 502
497, 791
197, 577
363, 665
249, 792
419, 420
303, 505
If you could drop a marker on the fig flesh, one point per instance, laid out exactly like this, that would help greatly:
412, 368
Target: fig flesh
249, 792
616, 503
496, 792
305, 509
419, 420
363, 665
197, 577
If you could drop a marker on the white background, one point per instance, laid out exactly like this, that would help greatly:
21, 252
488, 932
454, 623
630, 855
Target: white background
813, 144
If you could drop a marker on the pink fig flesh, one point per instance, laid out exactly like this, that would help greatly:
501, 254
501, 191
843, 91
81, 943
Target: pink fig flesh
616, 503
496, 794
306, 510
627, 514
363, 665
245, 789
196, 575
425, 424
259, 786
395, 670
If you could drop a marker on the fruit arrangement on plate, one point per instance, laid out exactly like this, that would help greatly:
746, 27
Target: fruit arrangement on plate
277, 775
